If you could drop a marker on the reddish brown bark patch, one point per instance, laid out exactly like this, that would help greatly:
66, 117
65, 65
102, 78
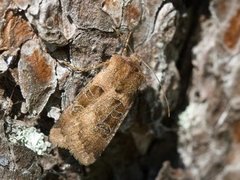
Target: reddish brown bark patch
15, 32
236, 132
232, 34
132, 13
42, 71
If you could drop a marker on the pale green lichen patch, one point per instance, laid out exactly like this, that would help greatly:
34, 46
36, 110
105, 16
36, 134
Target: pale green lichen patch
29, 137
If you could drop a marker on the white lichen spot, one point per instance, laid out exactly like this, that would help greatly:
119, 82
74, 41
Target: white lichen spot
192, 116
9, 60
194, 128
29, 137
184, 118
54, 113
3, 65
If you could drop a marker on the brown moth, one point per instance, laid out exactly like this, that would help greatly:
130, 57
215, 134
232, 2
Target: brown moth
87, 126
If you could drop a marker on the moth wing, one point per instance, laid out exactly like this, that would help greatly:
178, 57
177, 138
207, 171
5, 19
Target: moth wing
83, 99
86, 140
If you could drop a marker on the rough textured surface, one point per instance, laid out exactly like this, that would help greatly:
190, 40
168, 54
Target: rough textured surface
211, 119
15, 31
51, 24
15, 161
40, 79
190, 52
37, 78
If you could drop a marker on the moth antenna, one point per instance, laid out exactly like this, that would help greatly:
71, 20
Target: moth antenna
81, 70
127, 41
164, 95
13, 91
126, 45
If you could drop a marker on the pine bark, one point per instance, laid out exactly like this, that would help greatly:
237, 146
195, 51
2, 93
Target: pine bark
184, 122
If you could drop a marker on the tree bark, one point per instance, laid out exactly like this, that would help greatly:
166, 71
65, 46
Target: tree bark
183, 123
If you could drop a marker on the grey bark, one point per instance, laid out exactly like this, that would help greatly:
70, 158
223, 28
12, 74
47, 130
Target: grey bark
192, 49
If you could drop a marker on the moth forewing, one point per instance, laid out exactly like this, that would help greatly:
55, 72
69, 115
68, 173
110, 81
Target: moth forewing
87, 126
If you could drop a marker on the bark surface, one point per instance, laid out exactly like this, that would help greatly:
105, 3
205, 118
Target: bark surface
191, 61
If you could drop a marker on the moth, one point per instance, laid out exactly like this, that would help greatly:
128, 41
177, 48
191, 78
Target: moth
87, 126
